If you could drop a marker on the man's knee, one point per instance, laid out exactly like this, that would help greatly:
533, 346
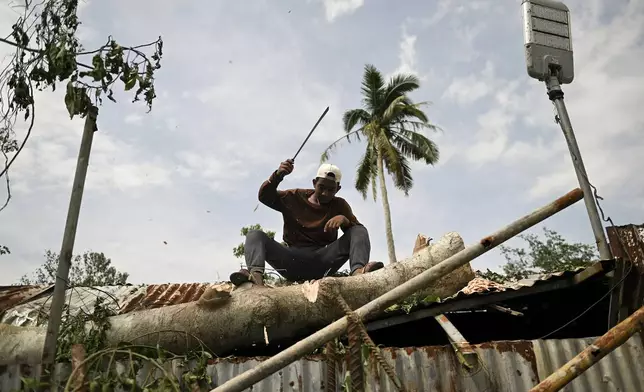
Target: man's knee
255, 238
358, 233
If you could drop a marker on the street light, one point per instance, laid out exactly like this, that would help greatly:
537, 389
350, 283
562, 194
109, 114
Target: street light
549, 58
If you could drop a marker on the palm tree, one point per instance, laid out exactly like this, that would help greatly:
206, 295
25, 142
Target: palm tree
391, 124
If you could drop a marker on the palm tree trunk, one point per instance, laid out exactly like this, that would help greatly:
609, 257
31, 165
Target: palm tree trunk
391, 250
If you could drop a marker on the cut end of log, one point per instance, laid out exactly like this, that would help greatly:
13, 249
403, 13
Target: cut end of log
422, 242
310, 290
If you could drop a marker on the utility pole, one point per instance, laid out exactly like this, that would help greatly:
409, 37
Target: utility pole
69, 236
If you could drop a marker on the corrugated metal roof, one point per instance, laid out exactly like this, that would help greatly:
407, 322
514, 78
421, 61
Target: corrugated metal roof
513, 366
121, 299
503, 366
483, 287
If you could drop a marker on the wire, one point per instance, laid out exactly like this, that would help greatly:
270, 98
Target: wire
591, 306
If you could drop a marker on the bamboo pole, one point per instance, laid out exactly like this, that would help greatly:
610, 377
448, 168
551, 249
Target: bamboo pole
603, 346
337, 328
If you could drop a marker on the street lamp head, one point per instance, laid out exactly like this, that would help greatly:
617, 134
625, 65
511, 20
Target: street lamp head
547, 40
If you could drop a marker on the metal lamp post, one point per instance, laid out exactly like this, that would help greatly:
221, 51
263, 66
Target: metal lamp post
549, 58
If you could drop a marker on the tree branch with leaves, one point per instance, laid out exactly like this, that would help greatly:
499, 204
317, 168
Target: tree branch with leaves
239, 250
90, 269
48, 53
547, 254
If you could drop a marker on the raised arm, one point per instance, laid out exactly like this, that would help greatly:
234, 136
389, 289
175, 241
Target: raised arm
268, 193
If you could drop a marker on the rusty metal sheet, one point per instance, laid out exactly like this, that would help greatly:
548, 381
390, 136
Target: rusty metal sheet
11, 296
159, 295
627, 242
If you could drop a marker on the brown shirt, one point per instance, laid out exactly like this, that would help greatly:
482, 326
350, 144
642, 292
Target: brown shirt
303, 221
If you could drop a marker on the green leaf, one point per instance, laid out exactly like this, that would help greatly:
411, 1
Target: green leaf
131, 82
72, 101
430, 299
365, 353
392, 308
106, 388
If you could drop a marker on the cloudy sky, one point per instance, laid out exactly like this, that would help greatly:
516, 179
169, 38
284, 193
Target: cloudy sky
243, 82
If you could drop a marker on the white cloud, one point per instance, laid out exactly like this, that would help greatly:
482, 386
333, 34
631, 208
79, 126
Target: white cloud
466, 90
133, 118
336, 8
442, 10
467, 34
407, 54
221, 174
492, 137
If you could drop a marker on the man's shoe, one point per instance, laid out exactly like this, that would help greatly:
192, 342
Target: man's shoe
369, 267
243, 276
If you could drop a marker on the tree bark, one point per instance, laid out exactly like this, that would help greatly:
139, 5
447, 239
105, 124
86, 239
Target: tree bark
391, 249
226, 320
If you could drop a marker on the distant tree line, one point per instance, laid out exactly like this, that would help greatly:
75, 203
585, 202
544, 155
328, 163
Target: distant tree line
87, 270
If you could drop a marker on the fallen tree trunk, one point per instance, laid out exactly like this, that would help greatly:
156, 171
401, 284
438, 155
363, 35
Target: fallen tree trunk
227, 320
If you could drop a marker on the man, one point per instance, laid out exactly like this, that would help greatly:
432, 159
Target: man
312, 218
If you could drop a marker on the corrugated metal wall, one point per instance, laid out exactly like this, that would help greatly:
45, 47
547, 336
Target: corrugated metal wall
622, 370
504, 366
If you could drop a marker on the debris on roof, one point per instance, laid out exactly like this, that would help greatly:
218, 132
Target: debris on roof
11, 296
482, 285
